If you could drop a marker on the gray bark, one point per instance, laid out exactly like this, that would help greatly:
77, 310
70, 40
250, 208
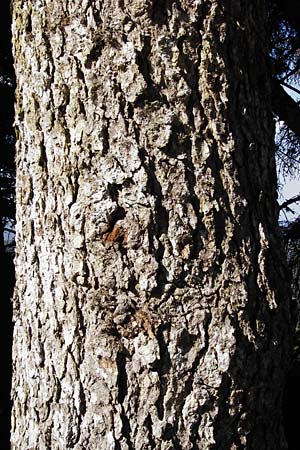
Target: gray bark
151, 307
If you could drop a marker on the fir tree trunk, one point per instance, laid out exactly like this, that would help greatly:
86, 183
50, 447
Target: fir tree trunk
151, 307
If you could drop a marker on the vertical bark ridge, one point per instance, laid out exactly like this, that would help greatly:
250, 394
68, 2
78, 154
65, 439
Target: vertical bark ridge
151, 305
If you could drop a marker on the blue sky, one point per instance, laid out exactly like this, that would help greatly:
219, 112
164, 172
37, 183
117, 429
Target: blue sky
290, 186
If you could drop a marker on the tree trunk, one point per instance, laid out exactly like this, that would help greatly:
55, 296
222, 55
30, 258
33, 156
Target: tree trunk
151, 307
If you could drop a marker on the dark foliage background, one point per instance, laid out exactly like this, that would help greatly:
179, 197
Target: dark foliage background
7, 216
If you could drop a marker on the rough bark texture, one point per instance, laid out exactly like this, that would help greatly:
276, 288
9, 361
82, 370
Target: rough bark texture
151, 303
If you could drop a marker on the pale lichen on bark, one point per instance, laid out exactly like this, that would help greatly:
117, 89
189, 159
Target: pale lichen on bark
150, 307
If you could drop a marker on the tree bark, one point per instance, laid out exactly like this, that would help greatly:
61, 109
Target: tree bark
151, 305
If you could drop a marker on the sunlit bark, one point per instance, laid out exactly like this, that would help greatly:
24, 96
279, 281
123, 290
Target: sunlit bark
151, 305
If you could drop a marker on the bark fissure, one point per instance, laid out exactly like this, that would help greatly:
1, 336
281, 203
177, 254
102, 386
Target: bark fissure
160, 223
163, 366
148, 424
122, 392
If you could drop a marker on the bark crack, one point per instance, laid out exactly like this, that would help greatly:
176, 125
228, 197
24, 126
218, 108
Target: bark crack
122, 392
160, 222
148, 424
162, 367
200, 229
